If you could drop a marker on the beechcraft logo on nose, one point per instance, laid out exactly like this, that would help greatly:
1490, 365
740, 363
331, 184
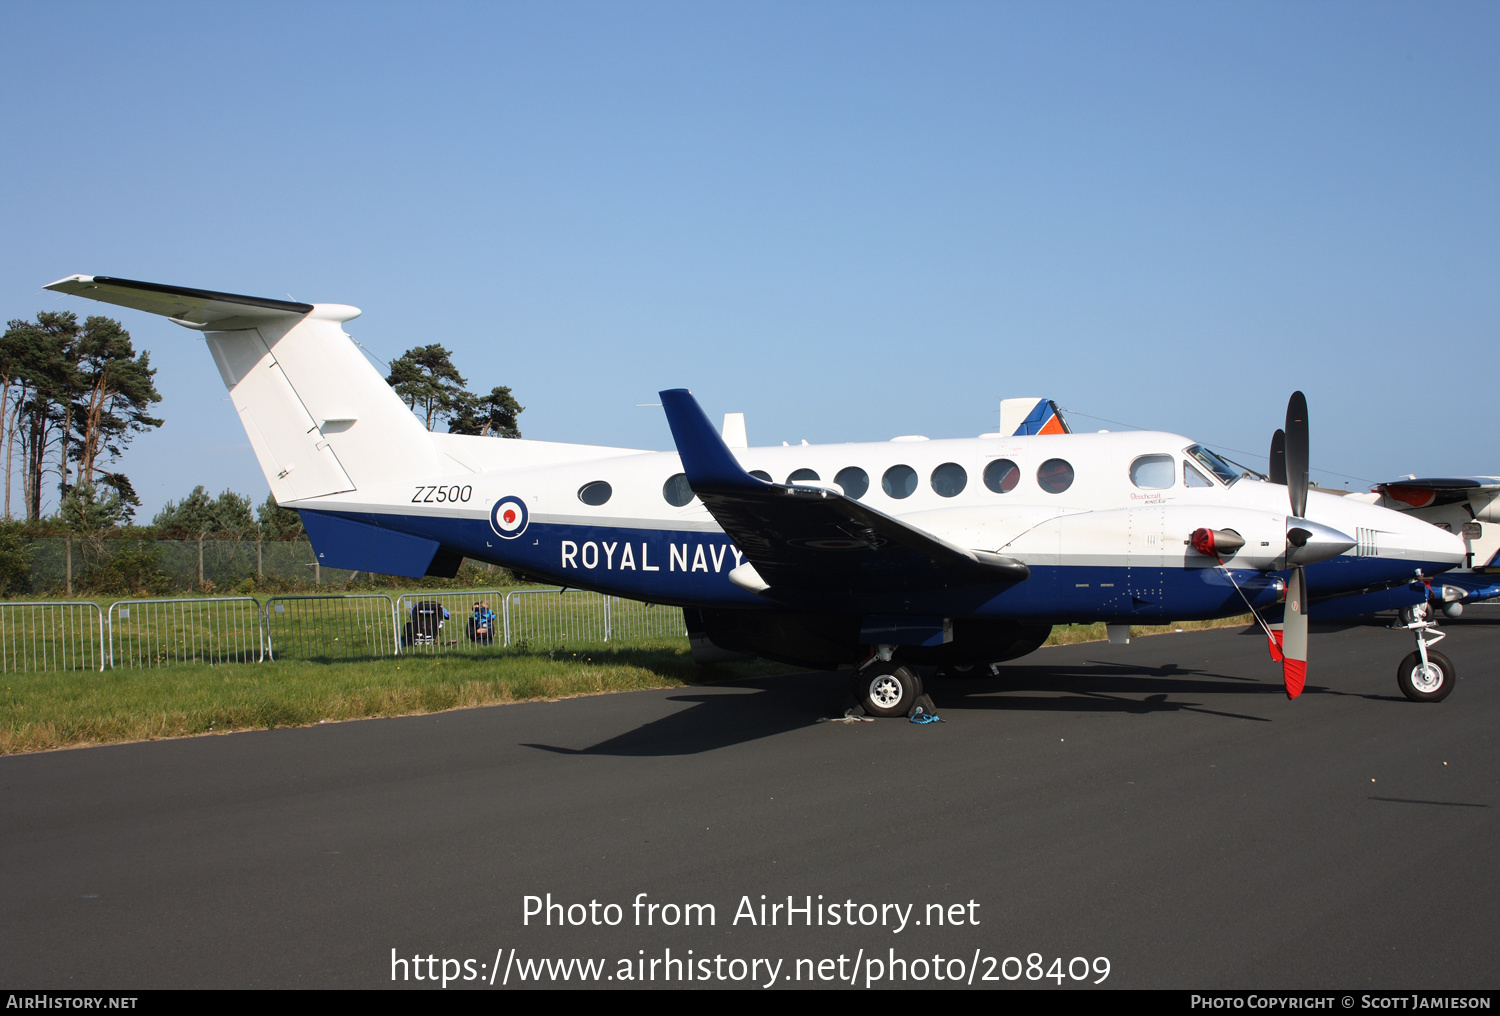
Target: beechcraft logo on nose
508, 518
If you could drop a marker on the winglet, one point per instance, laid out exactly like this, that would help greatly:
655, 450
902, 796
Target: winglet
706, 459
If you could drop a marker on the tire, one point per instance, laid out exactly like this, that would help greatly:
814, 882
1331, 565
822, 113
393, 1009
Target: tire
1415, 613
884, 689
1433, 686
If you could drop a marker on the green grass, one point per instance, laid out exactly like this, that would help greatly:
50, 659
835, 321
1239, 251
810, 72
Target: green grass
1068, 634
58, 710
40, 711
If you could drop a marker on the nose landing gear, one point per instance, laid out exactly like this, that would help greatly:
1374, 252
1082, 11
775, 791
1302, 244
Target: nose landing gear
1425, 675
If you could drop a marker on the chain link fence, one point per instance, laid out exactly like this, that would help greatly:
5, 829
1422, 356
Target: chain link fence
66, 565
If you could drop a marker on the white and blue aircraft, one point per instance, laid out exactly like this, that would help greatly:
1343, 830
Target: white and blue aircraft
1468, 507
887, 556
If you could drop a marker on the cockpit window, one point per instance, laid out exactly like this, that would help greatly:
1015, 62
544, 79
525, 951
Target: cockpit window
1226, 473
1192, 478
1153, 472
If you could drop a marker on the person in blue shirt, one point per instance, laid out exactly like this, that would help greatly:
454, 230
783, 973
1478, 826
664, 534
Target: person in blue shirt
482, 623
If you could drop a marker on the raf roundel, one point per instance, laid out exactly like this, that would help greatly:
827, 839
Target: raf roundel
508, 518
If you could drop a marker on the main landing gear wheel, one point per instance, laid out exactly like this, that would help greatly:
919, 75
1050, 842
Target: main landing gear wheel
1426, 684
885, 689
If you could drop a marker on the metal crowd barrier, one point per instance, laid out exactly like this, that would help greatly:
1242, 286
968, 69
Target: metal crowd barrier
356, 626
79, 635
561, 617
214, 629
435, 622
51, 635
634, 619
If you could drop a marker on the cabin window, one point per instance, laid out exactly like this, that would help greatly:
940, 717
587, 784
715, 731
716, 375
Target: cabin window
595, 493
949, 479
1054, 476
1153, 472
899, 481
1192, 478
761, 474
802, 476
854, 480
676, 491
1001, 476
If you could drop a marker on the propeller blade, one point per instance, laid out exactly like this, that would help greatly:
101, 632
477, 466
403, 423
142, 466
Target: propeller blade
1278, 458
1294, 634
1297, 453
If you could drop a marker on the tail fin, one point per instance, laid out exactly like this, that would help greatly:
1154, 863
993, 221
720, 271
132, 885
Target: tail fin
320, 418
1031, 416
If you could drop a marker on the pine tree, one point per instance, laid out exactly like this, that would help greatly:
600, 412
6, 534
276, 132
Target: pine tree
278, 523
199, 515
80, 390
427, 381
494, 415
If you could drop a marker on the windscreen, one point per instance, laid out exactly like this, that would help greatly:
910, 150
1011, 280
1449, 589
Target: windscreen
1226, 473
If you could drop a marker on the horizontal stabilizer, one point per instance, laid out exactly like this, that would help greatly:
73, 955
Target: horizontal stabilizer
192, 308
341, 543
812, 538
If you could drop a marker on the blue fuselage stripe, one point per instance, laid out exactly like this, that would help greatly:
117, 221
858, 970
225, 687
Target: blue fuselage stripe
691, 568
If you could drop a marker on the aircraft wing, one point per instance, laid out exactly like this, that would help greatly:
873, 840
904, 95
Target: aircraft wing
808, 538
1429, 492
200, 309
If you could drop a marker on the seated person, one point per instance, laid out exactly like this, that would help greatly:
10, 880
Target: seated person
482, 623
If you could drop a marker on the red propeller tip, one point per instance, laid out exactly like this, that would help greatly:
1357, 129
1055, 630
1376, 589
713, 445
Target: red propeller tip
1294, 672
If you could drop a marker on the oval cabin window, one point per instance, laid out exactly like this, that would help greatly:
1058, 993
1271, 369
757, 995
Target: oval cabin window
949, 479
595, 493
676, 491
854, 480
899, 481
1002, 475
1054, 476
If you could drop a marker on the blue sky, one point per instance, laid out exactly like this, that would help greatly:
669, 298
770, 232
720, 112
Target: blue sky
849, 221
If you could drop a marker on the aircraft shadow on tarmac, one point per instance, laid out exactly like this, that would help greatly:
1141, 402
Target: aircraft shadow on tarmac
767, 706
718, 719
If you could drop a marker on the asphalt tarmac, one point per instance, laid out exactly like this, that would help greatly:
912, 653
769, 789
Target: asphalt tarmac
1159, 807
